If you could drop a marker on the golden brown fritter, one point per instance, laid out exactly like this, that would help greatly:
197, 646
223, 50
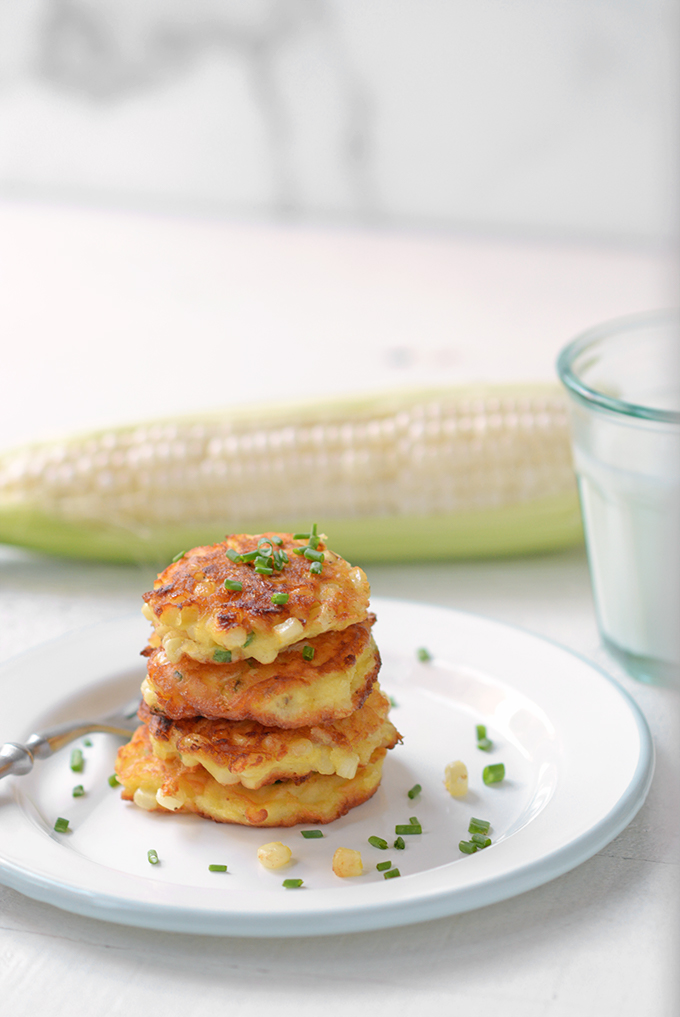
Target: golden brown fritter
194, 615
290, 692
245, 752
159, 785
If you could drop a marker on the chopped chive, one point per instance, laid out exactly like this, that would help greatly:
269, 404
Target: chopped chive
383, 866
307, 652
407, 828
400, 843
233, 584
265, 561
178, 556
493, 773
378, 842
423, 654
392, 874
301, 536
217, 868
276, 540
78, 791
264, 570
481, 732
251, 636
291, 884
312, 555
311, 834
152, 856
87, 743
298, 550
414, 821
233, 555
314, 532
61, 825
479, 825
222, 656
467, 847
485, 744
179, 676
279, 598
316, 568
480, 840
77, 761
249, 556
393, 701
113, 781
415, 791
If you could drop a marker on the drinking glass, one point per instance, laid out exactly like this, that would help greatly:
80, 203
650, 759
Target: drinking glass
623, 383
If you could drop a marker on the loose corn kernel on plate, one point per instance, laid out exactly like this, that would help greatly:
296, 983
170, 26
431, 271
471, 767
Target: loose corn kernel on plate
578, 761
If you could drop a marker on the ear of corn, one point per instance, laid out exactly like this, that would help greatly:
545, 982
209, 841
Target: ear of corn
398, 476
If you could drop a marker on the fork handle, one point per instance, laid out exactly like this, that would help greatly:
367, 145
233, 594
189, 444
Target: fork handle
15, 759
18, 759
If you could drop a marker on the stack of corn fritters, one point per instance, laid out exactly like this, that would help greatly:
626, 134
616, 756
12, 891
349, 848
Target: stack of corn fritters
261, 705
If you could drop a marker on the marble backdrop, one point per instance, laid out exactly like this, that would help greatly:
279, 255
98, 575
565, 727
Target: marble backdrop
555, 117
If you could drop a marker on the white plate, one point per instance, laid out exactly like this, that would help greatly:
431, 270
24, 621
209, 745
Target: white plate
577, 752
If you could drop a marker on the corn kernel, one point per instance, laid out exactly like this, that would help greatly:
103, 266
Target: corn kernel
347, 862
456, 779
274, 855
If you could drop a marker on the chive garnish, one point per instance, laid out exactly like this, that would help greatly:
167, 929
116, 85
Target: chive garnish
400, 843
393, 701
494, 773
383, 866
264, 570
233, 555
152, 856
217, 868
113, 781
279, 598
414, 821
178, 556
222, 656
249, 556
311, 834
423, 654
251, 636
407, 828
415, 791
233, 584
307, 652
291, 884
467, 847
481, 732
479, 825
392, 874
77, 761
313, 555
87, 742
316, 568
378, 842
61, 825
78, 791
480, 840
276, 540
301, 536
485, 745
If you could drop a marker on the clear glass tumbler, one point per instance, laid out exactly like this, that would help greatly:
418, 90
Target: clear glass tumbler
623, 380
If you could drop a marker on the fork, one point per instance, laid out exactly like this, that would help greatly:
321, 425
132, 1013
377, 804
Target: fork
18, 759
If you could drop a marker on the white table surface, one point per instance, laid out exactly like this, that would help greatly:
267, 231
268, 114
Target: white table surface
601, 940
